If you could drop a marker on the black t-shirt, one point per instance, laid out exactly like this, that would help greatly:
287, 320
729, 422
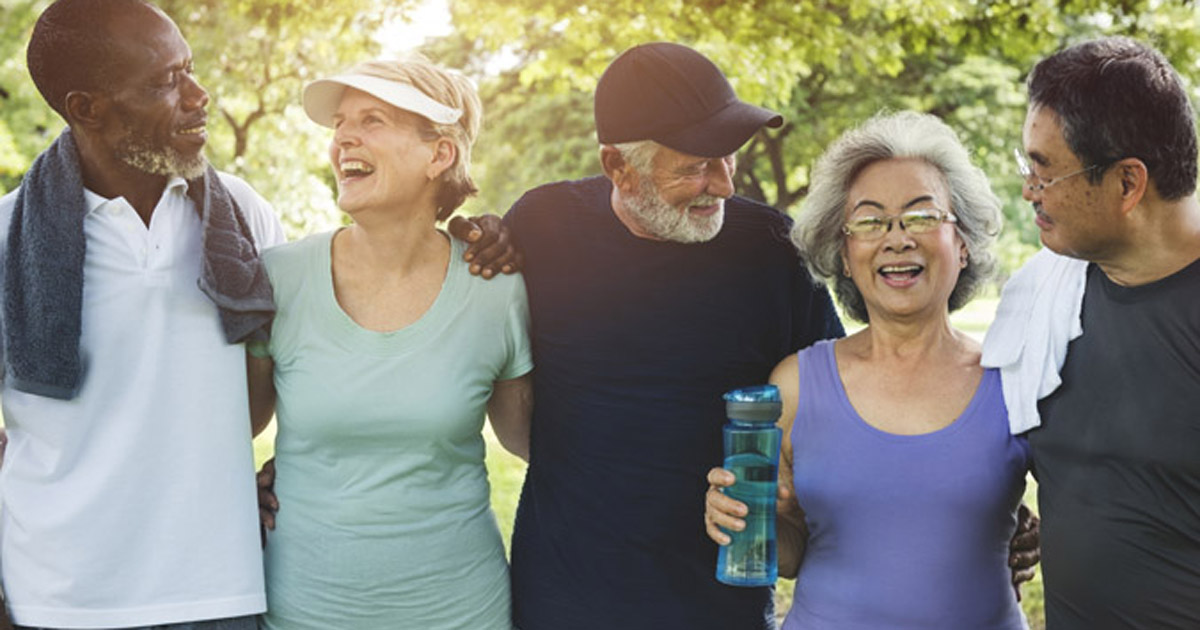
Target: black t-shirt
634, 342
1118, 461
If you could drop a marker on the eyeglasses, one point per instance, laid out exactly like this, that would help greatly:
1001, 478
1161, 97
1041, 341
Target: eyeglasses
1026, 171
917, 221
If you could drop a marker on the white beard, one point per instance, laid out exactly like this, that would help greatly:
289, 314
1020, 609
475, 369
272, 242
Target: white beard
141, 153
661, 220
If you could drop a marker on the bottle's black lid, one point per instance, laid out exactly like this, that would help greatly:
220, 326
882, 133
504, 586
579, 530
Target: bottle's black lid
759, 403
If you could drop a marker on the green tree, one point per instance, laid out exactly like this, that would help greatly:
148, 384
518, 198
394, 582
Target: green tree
27, 125
827, 65
253, 56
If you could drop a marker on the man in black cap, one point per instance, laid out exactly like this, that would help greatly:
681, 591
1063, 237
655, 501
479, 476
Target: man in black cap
653, 290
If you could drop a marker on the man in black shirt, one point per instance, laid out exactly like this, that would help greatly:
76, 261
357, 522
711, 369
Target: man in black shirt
1111, 142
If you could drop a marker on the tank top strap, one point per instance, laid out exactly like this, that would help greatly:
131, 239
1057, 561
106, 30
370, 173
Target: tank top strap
819, 380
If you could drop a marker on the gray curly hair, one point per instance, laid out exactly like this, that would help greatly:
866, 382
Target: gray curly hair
818, 230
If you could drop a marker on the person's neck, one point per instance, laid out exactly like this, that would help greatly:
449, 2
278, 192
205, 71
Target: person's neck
396, 246
915, 339
1164, 238
111, 179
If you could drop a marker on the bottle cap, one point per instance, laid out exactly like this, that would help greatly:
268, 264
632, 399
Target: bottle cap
759, 403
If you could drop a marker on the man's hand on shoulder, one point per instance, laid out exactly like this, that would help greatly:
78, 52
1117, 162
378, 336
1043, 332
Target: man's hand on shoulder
490, 248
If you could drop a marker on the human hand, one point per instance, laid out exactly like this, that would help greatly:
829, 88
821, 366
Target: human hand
720, 510
268, 505
489, 246
723, 511
1024, 550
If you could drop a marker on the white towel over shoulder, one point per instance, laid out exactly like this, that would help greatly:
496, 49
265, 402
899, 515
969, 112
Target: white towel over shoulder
1038, 315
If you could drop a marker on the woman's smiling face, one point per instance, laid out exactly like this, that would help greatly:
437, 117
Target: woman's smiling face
902, 275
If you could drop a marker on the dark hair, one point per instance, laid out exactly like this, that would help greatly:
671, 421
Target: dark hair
71, 47
1118, 98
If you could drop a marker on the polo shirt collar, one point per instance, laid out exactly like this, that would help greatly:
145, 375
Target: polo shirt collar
94, 201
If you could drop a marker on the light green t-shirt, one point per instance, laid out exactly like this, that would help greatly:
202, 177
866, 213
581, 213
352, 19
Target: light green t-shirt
384, 518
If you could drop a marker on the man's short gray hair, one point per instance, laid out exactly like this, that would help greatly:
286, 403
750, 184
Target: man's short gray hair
818, 230
639, 154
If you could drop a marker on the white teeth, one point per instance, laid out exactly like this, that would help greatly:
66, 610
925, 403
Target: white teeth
900, 268
356, 167
193, 131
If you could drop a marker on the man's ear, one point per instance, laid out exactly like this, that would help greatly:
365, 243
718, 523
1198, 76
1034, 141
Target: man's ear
618, 170
1134, 179
85, 109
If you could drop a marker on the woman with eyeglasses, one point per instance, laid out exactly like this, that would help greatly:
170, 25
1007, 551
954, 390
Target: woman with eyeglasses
900, 479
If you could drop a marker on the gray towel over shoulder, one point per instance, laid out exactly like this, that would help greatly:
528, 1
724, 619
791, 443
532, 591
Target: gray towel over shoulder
43, 271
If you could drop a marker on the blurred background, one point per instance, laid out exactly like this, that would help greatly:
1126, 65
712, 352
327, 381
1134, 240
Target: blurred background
825, 64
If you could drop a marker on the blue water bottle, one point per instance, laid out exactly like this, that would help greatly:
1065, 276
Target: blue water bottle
752, 455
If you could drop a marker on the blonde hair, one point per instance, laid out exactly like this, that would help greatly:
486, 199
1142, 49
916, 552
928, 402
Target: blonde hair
450, 88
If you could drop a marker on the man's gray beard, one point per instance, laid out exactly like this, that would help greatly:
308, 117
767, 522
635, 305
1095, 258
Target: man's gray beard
165, 161
660, 220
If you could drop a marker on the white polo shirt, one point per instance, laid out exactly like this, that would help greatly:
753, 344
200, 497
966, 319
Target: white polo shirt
134, 504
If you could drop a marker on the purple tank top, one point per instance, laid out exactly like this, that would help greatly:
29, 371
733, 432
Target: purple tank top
905, 531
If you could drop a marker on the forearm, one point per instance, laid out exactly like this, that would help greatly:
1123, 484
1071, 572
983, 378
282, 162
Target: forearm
260, 380
790, 541
510, 410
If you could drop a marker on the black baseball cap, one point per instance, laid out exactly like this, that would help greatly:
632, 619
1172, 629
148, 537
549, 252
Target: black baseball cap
675, 96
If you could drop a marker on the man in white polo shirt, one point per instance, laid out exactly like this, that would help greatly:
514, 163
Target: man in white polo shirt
128, 486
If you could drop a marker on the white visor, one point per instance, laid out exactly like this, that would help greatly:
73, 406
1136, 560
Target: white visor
323, 96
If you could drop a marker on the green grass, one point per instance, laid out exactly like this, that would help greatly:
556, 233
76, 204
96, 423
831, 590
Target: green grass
507, 473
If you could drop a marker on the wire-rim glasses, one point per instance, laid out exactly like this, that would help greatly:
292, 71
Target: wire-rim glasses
916, 221
1026, 171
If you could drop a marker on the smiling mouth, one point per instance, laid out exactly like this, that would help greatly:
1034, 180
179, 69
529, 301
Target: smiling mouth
194, 130
355, 169
901, 273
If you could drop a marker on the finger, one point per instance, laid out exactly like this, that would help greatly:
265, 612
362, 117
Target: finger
518, 263
720, 477
1026, 539
266, 475
715, 533
716, 501
267, 501
477, 246
1017, 589
492, 255
719, 518
463, 229
267, 518
723, 511
1024, 559
1022, 576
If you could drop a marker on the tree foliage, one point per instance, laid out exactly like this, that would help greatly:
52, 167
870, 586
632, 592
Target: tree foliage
827, 65
253, 56
27, 125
